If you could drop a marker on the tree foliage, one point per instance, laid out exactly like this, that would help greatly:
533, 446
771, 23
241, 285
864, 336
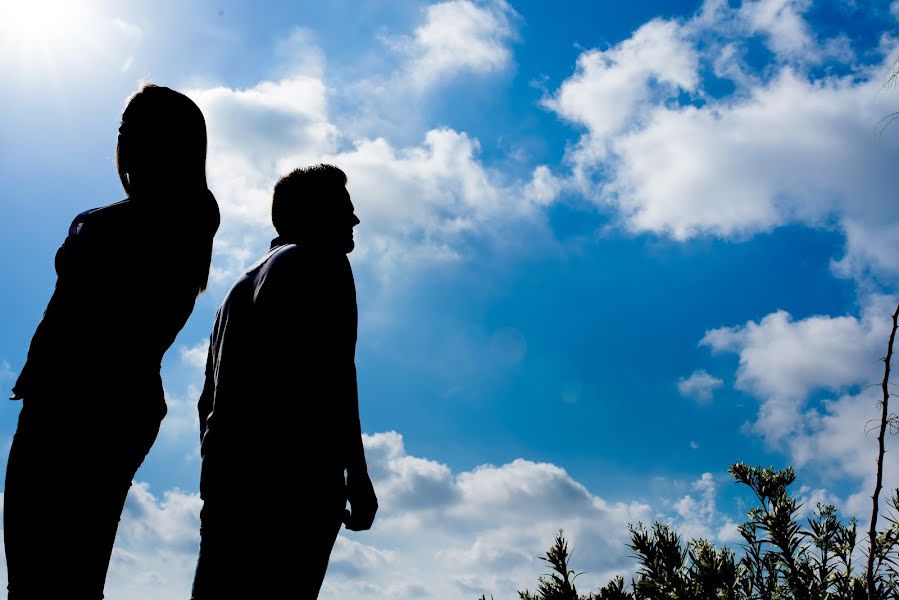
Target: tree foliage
781, 558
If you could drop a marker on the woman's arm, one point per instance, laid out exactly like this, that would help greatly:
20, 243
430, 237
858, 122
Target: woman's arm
58, 324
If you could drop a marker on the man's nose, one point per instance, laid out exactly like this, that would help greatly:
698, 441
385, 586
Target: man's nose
355, 220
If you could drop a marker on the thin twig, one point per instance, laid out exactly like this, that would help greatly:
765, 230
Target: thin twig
872, 531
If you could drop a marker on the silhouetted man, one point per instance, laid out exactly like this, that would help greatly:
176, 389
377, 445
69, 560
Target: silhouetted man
279, 413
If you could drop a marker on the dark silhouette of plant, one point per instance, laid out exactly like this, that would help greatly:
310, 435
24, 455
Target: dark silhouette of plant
663, 562
559, 584
875, 552
773, 525
614, 590
782, 558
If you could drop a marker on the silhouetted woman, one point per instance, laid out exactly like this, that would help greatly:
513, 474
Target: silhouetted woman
128, 276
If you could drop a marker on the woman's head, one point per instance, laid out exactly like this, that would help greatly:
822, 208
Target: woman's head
162, 142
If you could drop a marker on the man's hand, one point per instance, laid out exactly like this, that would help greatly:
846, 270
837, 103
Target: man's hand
363, 502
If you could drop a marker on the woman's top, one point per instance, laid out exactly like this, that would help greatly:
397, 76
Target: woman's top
128, 275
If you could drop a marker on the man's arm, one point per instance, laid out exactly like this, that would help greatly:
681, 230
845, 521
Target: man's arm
360, 491
355, 452
204, 404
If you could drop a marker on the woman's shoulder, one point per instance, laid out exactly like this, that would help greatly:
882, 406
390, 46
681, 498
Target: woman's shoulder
101, 216
146, 210
90, 232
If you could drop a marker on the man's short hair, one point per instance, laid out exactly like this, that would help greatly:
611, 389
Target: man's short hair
301, 195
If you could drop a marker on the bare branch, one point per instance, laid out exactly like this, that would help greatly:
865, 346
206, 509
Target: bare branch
884, 421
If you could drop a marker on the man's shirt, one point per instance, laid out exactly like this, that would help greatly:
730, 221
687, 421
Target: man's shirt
280, 375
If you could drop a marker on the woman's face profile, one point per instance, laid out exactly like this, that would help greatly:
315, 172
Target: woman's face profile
121, 153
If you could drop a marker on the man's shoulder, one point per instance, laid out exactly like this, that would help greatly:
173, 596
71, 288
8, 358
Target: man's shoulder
285, 254
293, 269
294, 257
280, 262
276, 269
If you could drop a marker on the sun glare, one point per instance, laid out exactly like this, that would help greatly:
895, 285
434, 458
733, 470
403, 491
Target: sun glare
40, 23
42, 30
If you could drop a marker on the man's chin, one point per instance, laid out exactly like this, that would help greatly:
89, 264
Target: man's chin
349, 246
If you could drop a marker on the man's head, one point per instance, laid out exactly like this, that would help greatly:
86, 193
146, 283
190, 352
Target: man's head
311, 205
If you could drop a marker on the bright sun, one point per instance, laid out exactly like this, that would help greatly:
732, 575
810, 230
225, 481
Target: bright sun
41, 36
40, 24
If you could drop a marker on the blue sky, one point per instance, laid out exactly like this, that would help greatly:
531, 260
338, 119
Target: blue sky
605, 252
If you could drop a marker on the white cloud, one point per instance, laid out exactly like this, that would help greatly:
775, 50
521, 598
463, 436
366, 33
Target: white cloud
156, 546
782, 361
458, 36
250, 132
699, 385
454, 39
406, 482
544, 187
181, 427
781, 23
696, 514
787, 363
835, 441
788, 34
793, 151
809, 498
300, 53
786, 358
610, 88
349, 558
172, 520
195, 356
416, 202
785, 147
